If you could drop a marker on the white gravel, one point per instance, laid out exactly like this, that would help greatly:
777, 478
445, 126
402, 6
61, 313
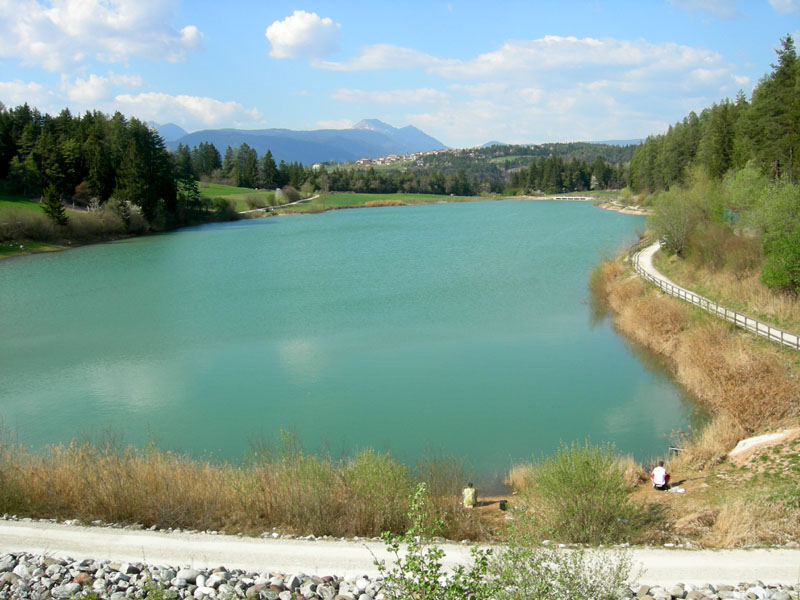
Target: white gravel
661, 566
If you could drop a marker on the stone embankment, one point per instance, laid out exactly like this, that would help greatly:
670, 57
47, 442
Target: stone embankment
31, 576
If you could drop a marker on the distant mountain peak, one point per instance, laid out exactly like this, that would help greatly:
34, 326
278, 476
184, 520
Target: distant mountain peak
375, 125
169, 131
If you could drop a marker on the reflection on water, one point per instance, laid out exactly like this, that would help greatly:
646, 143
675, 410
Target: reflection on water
460, 327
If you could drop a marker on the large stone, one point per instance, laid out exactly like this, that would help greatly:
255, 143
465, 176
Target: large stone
66, 591
10, 578
83, 579
677, 591
202, 591
292, 582
7, 563
188, 575
326, 591
22, 571
285, 595
255, 590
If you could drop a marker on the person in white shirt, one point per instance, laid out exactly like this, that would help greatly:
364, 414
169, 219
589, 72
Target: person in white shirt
660, 477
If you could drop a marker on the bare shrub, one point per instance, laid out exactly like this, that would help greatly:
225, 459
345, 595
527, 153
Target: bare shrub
255, 202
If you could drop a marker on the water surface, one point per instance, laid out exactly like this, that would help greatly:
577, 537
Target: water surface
455, 328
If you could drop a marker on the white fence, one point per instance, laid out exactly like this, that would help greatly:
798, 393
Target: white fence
740, 320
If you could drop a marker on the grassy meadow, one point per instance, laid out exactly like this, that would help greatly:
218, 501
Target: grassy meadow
243, 198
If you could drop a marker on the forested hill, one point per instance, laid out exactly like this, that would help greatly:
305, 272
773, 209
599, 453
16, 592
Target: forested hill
367, 139
726, 136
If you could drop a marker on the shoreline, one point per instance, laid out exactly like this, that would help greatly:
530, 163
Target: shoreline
59, 247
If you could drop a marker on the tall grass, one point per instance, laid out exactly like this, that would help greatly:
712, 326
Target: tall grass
581, 494
749, 385
280, 487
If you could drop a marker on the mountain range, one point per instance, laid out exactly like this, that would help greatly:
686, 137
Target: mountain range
369, 138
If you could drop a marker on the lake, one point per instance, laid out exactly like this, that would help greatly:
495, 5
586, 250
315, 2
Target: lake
459, 329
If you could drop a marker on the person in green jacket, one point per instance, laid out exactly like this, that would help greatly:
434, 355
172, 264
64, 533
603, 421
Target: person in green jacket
469, 496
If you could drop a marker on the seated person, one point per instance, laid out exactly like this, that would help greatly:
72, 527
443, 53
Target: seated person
660, 477
469, 496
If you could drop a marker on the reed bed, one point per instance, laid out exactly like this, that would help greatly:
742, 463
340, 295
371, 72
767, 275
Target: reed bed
284, 489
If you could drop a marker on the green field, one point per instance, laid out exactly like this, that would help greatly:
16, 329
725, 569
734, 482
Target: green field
11, 200
238, 194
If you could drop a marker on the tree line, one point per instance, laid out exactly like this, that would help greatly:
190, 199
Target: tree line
726, 182
728, 135
96, 157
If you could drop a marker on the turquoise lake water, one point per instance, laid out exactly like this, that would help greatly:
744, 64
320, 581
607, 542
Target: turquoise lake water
460, 329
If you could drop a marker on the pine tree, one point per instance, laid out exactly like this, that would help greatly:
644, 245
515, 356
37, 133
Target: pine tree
53, 206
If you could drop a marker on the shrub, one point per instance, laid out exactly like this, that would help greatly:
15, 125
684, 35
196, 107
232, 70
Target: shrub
526, 570
254, 201
290, 194
225, 209
418, 572
581, 495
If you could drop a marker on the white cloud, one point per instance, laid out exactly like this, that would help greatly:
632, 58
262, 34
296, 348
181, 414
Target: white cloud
418, 96
58, 33
382, 56
191, 37
88, 91
303, 34
515, 59
785, 7
336, 124
479, 90
14, 93
122, 79
94, 89
741, 79
189, 111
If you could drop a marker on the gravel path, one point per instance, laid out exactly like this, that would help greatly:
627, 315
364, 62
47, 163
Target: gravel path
661, 566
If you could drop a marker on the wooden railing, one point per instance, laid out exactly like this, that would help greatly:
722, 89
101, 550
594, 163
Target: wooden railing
740, 320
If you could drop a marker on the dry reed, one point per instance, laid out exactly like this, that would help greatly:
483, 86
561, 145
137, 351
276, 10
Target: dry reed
288, 490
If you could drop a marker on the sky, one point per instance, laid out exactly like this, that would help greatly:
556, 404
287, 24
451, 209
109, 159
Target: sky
465, 72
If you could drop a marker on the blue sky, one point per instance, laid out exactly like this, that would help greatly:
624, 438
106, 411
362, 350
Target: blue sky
464, 72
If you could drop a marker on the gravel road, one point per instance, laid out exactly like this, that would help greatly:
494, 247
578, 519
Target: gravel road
345, 558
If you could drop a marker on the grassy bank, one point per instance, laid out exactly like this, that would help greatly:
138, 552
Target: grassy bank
749, 386
279, 487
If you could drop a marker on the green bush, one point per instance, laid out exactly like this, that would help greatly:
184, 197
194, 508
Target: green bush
580, 495
519, 569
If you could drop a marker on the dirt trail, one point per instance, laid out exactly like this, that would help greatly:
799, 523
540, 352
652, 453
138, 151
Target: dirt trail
661, 566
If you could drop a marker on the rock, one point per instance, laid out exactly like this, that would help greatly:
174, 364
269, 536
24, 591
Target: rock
188, 575
7, 563
9, 578
326, 591
83, 579
781, 595
285, 595
254, 590
642, 591
66, 591
292, 582
202, 591
22, 571
200, 580
677, 591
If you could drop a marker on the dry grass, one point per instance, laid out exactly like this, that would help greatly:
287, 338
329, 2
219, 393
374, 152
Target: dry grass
385, 203
285, 489
753, 383
748, 385
742, 290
